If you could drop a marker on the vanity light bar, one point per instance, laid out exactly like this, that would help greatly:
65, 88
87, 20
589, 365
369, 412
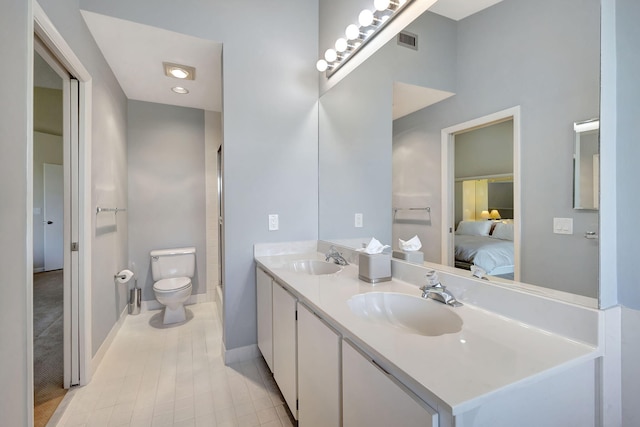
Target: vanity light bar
371, 23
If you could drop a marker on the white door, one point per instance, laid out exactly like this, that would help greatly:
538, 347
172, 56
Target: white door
53, 217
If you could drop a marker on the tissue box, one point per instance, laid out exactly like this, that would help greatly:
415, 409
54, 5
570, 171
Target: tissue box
414, 257
375, 268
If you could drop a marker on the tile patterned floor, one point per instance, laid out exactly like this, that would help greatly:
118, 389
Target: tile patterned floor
175, 376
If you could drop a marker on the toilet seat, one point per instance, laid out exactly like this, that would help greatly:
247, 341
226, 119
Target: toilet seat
172, 285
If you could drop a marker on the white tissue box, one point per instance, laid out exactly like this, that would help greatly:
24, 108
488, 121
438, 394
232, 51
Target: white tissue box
414, 257
374, 268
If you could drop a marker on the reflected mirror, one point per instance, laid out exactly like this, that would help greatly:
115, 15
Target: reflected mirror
586, 164
381, 144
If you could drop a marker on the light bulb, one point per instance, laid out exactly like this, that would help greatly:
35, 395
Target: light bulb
179, 73
330, 55
365, 18
322, 65
341, 45
179, 89
381, 4
352, 32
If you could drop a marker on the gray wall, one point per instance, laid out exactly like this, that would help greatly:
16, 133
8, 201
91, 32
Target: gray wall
109, 169
356, 130
166, 169
554, 76
270, 122
484, 151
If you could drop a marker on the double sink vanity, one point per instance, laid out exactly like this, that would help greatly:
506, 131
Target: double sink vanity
347, 352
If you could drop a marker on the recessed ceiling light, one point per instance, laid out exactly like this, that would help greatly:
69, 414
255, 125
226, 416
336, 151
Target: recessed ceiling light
179, 71
180, 90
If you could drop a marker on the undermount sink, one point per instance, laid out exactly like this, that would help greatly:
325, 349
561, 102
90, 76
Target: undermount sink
314, 267
408, 313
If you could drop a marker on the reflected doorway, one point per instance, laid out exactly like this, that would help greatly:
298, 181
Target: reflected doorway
481, 194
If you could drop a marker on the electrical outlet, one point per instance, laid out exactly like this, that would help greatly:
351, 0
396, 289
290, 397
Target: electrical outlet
358, 220
273, 222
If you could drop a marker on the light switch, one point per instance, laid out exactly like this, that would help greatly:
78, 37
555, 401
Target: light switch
563, 225
273, 222
358, 220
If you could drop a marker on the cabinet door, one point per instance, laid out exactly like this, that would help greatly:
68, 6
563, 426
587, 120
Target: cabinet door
373, 398
284, 345
318, 371
264, 316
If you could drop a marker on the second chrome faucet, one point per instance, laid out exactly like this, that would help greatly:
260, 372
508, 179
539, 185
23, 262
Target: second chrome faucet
437, 291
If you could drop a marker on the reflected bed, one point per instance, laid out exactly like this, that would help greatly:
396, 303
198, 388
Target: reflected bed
485, 244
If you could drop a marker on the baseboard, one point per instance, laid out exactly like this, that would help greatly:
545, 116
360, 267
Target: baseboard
97, 358
241, 354
38, 270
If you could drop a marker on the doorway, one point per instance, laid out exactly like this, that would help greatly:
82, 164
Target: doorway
71, 205
478, 211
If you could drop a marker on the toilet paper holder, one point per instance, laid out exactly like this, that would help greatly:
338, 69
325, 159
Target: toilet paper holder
123, 276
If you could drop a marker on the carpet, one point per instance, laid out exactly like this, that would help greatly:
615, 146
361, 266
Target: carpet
48, 359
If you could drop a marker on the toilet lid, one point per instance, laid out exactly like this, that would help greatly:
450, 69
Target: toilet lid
174, 284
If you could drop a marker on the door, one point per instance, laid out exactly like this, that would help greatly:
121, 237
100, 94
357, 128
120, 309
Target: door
319, 372
284, 345
264, 298
53, 217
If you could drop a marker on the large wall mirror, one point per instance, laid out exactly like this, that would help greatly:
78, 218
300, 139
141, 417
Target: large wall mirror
381, 137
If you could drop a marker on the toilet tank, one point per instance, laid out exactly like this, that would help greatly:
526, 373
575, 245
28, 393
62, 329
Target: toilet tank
169, 263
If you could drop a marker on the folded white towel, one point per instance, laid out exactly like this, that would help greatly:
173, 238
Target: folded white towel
413, 244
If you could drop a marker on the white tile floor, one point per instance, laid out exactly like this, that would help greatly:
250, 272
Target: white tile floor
175, 376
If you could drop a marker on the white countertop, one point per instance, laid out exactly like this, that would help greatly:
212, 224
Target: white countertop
460, 370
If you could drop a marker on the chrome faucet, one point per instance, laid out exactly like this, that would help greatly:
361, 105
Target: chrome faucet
336, 256
438, 292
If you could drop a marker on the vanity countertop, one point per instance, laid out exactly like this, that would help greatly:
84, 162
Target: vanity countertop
489, 355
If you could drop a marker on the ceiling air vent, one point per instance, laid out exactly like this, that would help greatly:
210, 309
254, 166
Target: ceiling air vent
408, 39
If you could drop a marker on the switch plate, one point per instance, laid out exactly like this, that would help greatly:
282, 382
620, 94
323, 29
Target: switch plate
358, 220
563, 225
273, 222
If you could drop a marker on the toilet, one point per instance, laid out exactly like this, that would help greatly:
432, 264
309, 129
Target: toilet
172, 270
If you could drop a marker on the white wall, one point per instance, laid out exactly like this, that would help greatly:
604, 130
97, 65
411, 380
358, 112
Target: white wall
166, 203
16, 46
628, 201
270, 121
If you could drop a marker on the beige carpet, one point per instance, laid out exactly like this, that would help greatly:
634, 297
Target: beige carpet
48, 358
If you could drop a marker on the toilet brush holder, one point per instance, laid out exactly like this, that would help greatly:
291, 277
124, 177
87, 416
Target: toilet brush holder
135, 299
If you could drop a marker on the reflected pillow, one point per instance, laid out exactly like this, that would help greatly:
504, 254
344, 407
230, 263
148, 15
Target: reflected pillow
503, 231
474, 228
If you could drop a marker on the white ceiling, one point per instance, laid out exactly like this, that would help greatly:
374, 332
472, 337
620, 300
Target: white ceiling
135, 53
409, 98
460, 9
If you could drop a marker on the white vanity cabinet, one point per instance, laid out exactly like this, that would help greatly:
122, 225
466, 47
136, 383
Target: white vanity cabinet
264, 301
285, 370
318, 371
373, 398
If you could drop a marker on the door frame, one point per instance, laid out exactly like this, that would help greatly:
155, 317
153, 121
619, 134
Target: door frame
77, 316
448, 178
